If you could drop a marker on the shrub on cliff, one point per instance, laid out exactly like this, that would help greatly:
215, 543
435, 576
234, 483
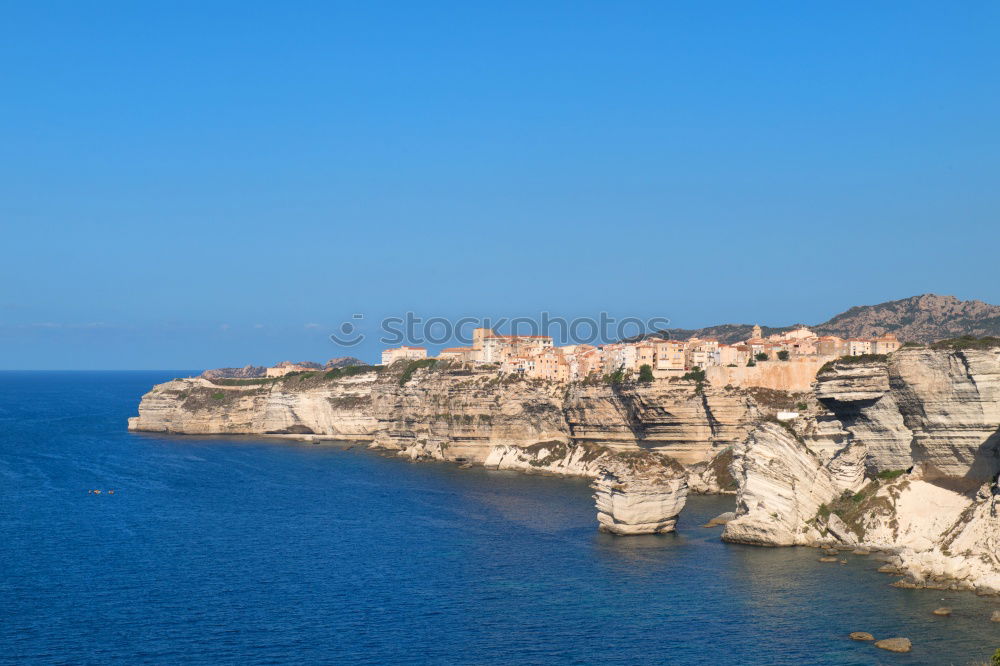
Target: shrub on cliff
695, 374
645, 373
616, 377
761, 356
967, 342
783, 355
350, 371
413, 366
855, 360
891, 474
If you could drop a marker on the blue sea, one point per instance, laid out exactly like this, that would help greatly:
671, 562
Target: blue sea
255, 551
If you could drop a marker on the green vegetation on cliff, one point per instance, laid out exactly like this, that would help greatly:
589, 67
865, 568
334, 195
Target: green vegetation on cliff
852, 508
645, 373
350, 371
855, 360
300, 376
967, 342
413, 366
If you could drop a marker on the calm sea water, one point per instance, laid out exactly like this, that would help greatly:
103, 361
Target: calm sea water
251, 551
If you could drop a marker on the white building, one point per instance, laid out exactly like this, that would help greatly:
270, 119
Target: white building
390, 356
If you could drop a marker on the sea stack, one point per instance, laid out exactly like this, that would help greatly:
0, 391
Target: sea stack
640, 492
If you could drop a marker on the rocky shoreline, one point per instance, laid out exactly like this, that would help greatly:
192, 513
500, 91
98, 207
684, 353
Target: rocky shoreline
889, 454
901, 461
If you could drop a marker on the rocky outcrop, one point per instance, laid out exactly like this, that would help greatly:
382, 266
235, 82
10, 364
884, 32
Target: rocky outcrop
246, 372
636, 492
894, 644
666, 416
942, 538
842, 476
290, 405
713, 477
923, 318
639, 493
343, 362
867, 412
553, 457
455, 412
782, 486
464, 416
257, 371
936, 408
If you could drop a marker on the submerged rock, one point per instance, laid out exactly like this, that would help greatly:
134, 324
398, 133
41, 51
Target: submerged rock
894, 644
943, 611
721, 519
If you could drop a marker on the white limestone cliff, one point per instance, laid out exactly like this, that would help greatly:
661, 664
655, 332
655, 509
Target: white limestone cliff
639, 493
934, 412
455, 413
782, 485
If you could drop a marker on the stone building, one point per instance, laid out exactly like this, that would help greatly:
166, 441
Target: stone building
403, 353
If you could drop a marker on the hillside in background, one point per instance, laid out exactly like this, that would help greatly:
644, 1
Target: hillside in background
923, 318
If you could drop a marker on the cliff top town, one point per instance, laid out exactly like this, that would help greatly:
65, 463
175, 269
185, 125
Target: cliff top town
744, 355
538, 358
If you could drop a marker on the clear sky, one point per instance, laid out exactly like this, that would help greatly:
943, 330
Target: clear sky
201, 184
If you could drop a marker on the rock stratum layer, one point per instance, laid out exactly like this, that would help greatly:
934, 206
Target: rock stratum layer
458, 414
639, 493
901, 459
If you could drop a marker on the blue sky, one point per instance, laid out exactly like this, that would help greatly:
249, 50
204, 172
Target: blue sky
191, 184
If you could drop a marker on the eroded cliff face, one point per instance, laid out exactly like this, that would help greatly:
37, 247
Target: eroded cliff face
668, 417
635, 491
463, 416
901, 461
939, 409
199, 406
457, 413
782, 485
639, 492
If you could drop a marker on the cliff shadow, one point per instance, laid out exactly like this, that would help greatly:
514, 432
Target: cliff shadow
986, 462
